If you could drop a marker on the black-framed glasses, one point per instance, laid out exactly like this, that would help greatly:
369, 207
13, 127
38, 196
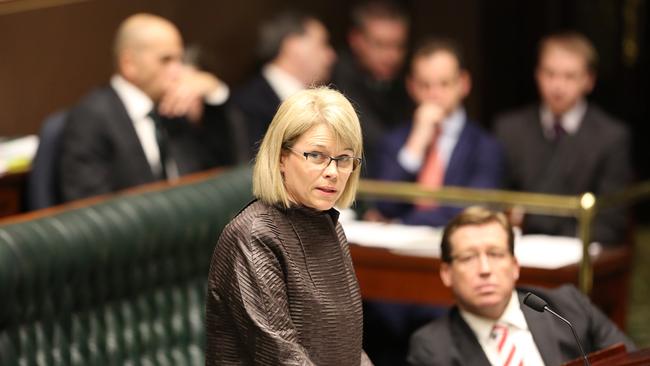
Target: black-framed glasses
344, 163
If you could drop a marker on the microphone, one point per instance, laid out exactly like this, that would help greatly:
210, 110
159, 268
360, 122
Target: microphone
538, 304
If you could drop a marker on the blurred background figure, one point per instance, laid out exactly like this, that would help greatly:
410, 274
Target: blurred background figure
565, 144
370, 71
441, 146
158, 118
295, 51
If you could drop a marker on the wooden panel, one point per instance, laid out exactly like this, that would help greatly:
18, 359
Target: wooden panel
12, 187
55, 54
384, 275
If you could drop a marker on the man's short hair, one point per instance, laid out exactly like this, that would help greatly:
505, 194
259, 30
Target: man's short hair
274, 31
429, 46
573, 42
378, 9
474, 215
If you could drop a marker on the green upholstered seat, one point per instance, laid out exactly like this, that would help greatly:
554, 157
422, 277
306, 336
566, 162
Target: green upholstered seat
121, 282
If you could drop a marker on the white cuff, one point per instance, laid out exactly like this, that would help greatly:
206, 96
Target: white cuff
219, 95
410, 163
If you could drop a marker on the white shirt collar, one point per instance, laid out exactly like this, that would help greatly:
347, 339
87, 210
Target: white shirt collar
570, 120
137, 103
482, 327
282, 83
454, 123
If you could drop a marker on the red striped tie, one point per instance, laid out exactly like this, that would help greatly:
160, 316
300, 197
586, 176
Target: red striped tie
506, 348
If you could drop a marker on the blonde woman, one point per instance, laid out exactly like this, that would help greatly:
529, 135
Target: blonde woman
282, 289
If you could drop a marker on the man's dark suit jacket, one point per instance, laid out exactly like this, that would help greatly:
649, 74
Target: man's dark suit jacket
476, 162
595, 159
101, 152
380, 105
255, 104
450, 341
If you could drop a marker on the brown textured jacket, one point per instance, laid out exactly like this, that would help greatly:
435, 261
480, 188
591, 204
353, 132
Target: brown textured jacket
282, 291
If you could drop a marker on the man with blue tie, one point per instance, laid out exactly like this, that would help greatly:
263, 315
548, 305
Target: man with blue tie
440, 146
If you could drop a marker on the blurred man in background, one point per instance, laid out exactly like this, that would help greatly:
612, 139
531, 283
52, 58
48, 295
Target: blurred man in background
370, 73
565, 144
296, 53
158, 118
441, 146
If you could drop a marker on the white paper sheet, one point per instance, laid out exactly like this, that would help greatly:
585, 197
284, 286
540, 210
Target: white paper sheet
17, 151
537, 251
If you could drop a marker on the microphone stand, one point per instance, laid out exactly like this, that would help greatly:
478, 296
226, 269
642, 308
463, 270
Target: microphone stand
584, 355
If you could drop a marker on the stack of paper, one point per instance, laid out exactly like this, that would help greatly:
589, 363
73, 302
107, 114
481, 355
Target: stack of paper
538, 251
17, 154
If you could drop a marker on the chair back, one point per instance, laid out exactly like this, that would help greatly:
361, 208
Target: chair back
42, 181
119, 282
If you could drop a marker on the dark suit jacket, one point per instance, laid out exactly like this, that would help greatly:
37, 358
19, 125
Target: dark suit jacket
450, 341
256, 104
476, 162
595, 159
101, 152
380, 105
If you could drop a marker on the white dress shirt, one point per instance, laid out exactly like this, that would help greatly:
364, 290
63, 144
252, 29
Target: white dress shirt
518, 329
452, 126
570, 120
282, 83
138, 105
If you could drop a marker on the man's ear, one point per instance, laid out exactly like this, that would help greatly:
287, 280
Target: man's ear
355, 40
466, 82
445, 274
516, 269
126, 64
591, 82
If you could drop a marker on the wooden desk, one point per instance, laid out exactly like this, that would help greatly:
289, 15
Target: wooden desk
384, 275
12, 190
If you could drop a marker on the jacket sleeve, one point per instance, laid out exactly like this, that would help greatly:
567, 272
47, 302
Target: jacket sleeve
84, 166
601, 331
486, 171
616, 174
389, 169
247, 288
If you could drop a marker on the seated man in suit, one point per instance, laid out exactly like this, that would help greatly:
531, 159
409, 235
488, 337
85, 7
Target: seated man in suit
441, 146
370, 72
158, 119
565, 144
296, 51
489, 326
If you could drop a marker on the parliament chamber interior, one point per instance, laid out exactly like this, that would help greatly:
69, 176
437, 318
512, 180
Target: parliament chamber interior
107, 261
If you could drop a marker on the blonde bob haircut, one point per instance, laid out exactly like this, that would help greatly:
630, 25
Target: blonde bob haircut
296, 115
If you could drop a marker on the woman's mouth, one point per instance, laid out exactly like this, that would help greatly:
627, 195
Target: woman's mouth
327, 190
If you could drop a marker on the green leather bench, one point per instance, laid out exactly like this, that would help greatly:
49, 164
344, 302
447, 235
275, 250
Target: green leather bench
119, 282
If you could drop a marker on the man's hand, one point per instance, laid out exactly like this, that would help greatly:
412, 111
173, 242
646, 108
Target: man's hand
185, 97
426, 119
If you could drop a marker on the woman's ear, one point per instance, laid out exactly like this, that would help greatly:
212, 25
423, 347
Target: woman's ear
283, 158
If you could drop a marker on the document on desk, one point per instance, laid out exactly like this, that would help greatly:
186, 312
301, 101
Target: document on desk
16, 154
537, 251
